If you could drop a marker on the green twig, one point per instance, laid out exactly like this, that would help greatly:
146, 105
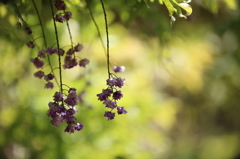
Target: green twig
58, 47
106, 25
44, 37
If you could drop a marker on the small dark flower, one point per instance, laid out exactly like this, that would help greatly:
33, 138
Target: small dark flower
51, 50
72, 111
109, 115
49, 85
38, 63
69, 62
30, 44
72, 90
118, 69
60, 5
78, 127
57, 120
110, 104
41, 54
49, 77
59, 18
61, 52
28, 30
39, 74
104, 95
70, 52
71, 120
58, 97
120, 82
117, 95
83, 62
67, 15
71, 99
111, 82
70, 129
78, 47
121, 110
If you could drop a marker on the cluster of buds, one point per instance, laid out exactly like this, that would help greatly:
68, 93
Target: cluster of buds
59, 113
62, 109
69, 62
111, 94
64, 15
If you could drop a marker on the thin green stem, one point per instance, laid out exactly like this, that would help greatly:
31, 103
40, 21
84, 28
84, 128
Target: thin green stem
19, 14
96, 25
106, 25
70, 35
58, 47
44, 37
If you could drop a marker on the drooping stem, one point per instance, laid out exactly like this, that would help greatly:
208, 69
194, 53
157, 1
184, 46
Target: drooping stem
19, 14
96, 25
44, 37
58, 47
106, 25
70, 35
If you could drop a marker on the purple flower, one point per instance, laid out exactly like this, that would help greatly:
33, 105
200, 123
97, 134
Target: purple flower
57, 120
71, 99
72, 111
121, 110
51, 50
83, 62
117, 95
111, 82
60, 5
109, 115
58, 97
59, 18
67, 15
39, 74
78, 127
72, 90
118, 69
28, 30
69, 62
70, 129
38, 63
78, 47
49, 85
30, 44
71, 120
70, 52
105, 94
120, 82
41, 54
49, 77
61, 52
110, 104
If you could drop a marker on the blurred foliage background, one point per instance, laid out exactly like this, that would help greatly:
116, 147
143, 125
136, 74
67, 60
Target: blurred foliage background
181, 93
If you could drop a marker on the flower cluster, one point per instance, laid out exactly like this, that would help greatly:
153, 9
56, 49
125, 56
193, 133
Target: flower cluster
111, 94
62, 109
69, 62
59, 113
62, 16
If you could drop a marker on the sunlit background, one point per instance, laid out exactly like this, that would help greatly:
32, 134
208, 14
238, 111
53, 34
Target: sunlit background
182, 89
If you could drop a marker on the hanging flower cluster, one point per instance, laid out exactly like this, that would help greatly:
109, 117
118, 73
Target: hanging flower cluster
62, 108
111, 94
59, 113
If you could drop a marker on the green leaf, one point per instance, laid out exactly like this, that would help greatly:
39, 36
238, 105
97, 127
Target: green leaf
170, 7
160, 1
232, 4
